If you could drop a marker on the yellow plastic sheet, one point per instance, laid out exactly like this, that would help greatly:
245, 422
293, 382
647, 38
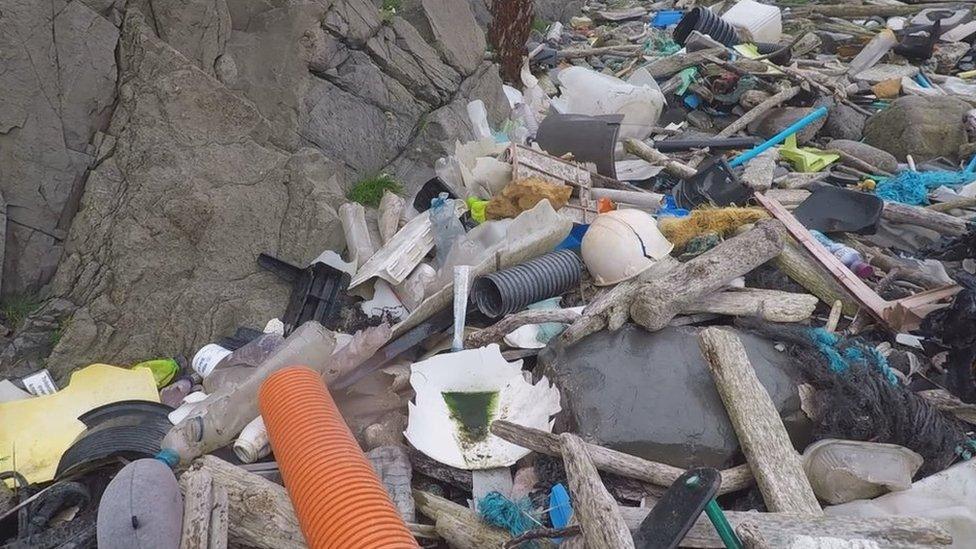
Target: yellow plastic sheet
35, 432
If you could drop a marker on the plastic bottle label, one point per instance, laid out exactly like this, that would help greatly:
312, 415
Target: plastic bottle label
207, 358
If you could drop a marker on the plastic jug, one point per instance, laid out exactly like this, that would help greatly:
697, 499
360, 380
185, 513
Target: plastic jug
588, 92
755, 22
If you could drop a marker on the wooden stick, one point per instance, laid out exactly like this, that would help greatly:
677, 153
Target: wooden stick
505, 326
612, 461
659, 301
587, 52
834, 319
541, 533
654, 156
592, 503
763, 437
848, 158
759, 110
666, 66
197, 509
924, 217
771, 305
946, 207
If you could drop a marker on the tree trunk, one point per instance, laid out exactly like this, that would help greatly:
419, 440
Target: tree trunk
763, 437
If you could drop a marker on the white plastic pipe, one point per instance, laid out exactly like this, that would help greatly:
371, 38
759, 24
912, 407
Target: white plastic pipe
252, 444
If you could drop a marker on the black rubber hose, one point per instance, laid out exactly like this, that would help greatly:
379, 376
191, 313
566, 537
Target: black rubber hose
510, 290
706, 22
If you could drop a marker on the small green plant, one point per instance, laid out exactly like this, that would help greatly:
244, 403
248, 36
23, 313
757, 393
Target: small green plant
14, 309
540, 25
58, 333
389, 9
369, 191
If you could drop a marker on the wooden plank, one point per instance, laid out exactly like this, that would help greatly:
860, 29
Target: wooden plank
602, 524
219, 519
762, 435
612, 461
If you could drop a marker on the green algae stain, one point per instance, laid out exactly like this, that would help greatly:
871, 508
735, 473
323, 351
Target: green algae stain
472, 412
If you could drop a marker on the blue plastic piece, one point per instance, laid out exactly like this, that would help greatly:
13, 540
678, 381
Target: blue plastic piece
560, 508
169, 457
574, 239
671, 209
779, 138
664, 19
692, 101
923, 81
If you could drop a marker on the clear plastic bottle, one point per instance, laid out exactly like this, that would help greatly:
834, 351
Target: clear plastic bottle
234, 367
446, 226
851, 258
214, 422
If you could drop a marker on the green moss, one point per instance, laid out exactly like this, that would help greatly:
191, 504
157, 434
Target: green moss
14, 309
369, 191
472, 412
540, 25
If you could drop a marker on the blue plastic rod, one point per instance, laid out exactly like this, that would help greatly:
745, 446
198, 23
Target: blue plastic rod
779, 138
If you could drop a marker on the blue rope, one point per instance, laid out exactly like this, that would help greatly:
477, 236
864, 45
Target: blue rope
517, 517
910, 187
842, 354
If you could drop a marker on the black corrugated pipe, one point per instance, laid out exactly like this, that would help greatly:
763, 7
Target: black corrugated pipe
705, 21
510, 290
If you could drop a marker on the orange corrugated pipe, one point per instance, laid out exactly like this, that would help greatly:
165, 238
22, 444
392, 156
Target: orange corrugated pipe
339, 500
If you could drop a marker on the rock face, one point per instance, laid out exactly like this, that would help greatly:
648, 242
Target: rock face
651, 394
238, 126
58, 87
872, 155
924, 127
161, 256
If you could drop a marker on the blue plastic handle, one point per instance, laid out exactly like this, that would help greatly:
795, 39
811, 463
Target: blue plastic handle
779, 138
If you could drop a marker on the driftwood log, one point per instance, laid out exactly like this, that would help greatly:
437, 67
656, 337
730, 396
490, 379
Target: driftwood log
757, 423
612, 461
198, 506
851, 10
498, 331
260, 512
771, 305
658, 301
924, 217
800, 266
462, 527
946, 207
887, 532
646, 152
666, 66
597, 511
759, 110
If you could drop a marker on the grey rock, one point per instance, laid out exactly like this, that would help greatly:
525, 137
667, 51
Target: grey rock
161, 257
872, 155
924, 127
355, 20
402, 53
843, 122
58, 86
33, 341
451, 27
651, 394
197, 28
557, 10
780, 118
